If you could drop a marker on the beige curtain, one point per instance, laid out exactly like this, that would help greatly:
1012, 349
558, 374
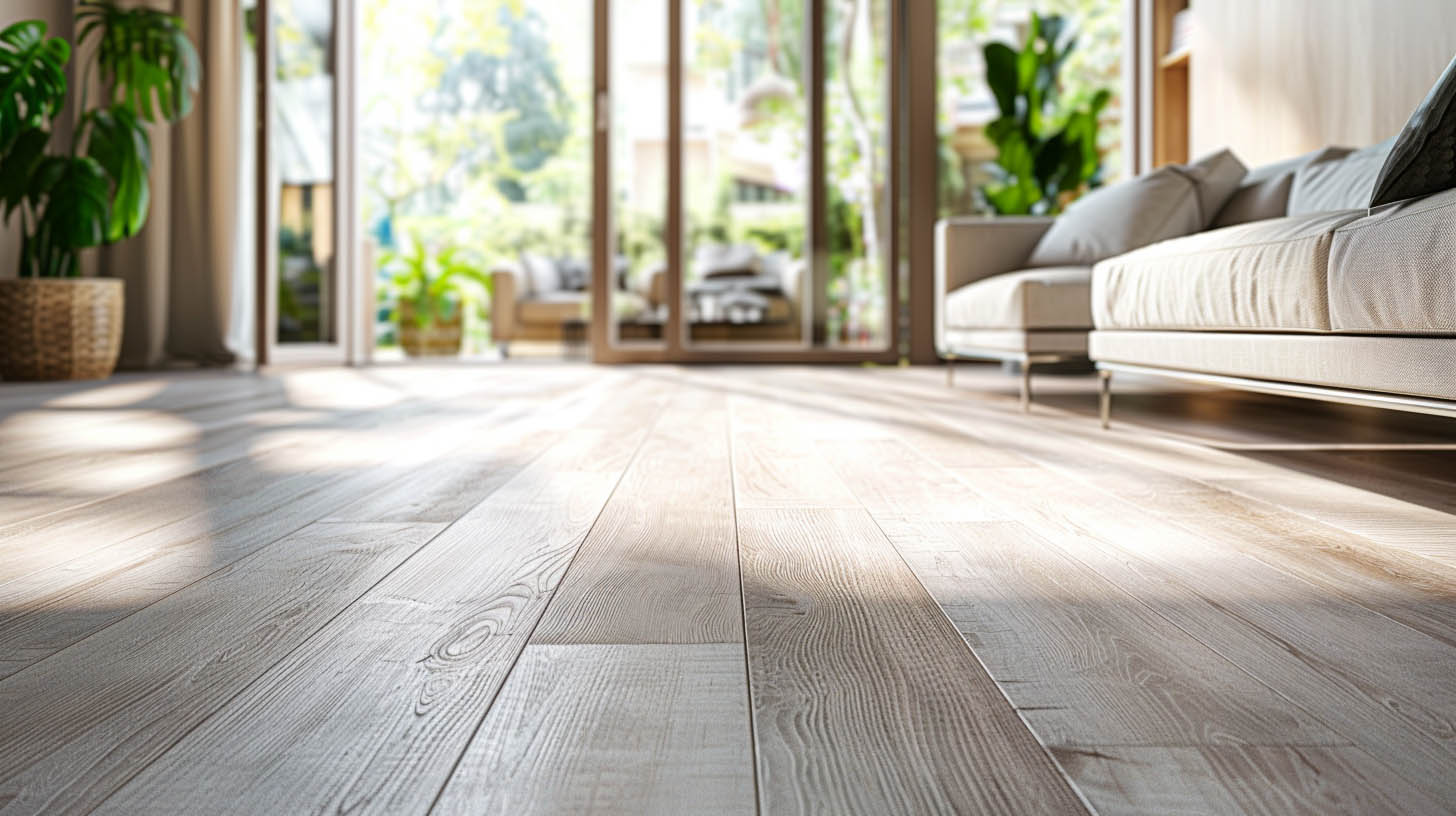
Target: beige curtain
179, 270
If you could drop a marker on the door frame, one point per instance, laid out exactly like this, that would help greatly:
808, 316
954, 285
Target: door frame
672, 348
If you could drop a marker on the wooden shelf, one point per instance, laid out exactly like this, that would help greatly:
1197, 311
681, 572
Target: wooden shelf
1170, 73
1177, 59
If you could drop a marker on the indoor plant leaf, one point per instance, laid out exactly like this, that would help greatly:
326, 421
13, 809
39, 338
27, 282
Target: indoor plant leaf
73, 197
119, 143
17, 166
153, 65
32, 78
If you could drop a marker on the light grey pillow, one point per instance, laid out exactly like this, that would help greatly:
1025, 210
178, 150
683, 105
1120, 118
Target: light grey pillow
1423, 160
1338, 185
542, 276
1264, 192
1169, 202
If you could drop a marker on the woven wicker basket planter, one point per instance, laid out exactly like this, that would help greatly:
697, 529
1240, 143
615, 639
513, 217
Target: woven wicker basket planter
59, 328
436, 339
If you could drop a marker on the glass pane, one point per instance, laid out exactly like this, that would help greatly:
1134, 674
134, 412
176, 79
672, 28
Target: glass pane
639, 170
303, 167
745, 171
856, 160
476, 188
971, 177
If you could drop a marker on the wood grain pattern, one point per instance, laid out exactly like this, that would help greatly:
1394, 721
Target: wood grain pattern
1256, 779
81, 723
372, 712
1084, 662
614, 729
661, 565
864, 701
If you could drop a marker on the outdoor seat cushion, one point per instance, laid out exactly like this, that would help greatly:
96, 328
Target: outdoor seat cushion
1053, 298
554, 307
1395, 271
1261, 276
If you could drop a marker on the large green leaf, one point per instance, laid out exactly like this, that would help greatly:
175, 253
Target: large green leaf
145, 56
1001, 76
17, 167
73, 197
119, 143
32, 78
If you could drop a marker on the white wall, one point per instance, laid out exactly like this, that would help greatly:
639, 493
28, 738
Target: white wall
1275, 78
58, 17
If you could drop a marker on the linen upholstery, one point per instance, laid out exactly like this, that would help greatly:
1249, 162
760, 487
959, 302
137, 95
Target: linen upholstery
1054, 298
1166, 203
968, 249
969, 341
1264, 191
1423, 160
1395, 270
1345, 184
1265, 275
1418, 366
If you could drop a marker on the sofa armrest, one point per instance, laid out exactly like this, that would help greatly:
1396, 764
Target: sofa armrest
972, 248
502, 304
968, 249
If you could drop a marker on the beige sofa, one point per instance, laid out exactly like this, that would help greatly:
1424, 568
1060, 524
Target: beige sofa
1297, 288
1330, 301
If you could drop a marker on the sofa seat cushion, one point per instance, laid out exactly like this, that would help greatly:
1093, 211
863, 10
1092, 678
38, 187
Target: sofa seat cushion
1053, 298
1395, 271
1261, 276
554, 307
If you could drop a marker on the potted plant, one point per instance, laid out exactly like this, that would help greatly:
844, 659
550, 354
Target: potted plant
431, 292
55, 324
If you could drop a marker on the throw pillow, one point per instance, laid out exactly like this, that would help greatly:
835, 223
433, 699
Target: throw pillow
1338, 185
1169, 202
575, 275
1423, 160
1264, 192
542, 276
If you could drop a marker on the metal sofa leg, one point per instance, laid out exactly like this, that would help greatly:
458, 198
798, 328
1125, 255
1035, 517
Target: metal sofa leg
1026, 386
1104, 398
950, 361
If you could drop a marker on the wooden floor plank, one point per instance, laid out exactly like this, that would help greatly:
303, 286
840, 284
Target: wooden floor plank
79, 725
374, 710
661, 565
865, 698
613, 729
1084, 662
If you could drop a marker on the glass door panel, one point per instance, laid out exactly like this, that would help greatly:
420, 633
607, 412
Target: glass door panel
639, 172
856, 146
303, 170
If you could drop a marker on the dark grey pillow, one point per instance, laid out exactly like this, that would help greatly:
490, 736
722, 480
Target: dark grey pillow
1423, 160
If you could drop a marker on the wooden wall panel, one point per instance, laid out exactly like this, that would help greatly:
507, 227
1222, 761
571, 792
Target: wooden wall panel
1275, 79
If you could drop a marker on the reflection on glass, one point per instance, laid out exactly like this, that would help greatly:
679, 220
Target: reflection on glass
856, 156
476, 133
639, 169
303, 146
745, 171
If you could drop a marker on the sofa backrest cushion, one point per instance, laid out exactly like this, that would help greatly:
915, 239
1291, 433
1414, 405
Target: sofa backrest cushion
1264, 191
1167, 203
1394, 271
1345, 184
1423, 160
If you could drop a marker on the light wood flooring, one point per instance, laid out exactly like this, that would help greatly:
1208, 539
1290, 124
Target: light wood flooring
556, 588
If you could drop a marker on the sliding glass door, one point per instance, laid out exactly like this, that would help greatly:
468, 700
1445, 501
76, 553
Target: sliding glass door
745, 187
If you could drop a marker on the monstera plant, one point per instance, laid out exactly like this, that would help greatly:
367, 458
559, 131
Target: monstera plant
91, 190
1046, 155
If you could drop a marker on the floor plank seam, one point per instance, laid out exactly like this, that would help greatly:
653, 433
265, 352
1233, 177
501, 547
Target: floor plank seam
541, 615
743, 611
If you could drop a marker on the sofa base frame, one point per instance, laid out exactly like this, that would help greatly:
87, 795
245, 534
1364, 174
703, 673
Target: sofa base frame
1369, 399
1025, 358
